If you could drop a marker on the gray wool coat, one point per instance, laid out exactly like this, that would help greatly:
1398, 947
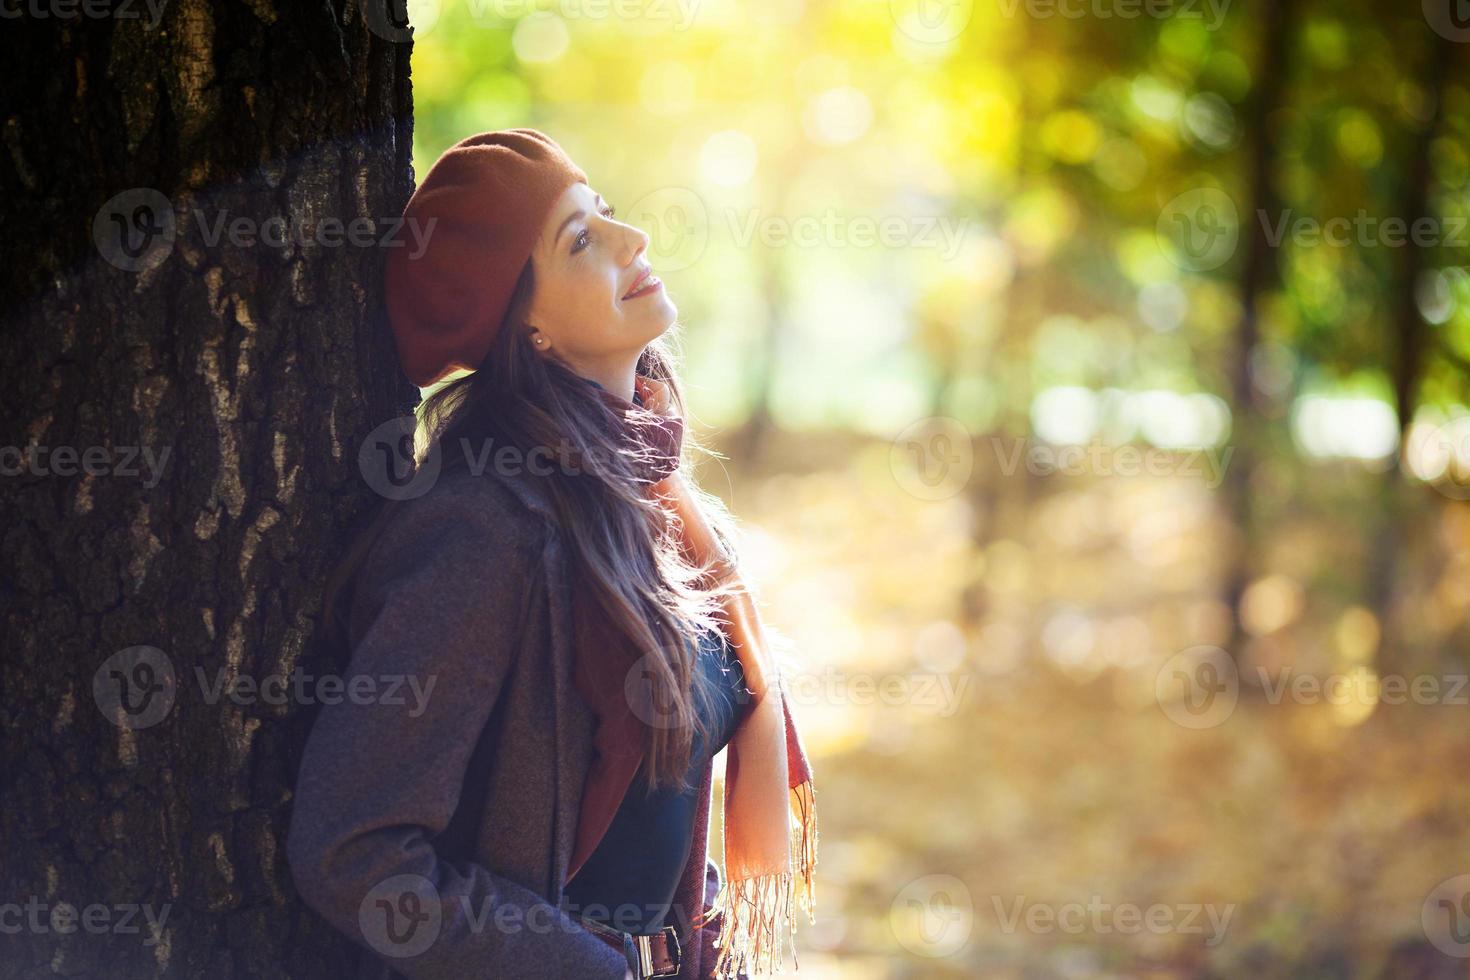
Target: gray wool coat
436, 832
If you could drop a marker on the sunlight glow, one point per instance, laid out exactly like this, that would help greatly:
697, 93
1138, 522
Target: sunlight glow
1348, 427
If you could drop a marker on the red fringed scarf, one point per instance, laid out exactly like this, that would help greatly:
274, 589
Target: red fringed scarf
770, 822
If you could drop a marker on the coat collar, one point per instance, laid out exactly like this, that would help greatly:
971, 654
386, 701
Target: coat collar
529, 491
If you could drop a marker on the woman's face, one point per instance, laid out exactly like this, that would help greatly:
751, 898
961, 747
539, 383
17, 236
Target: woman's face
586, 263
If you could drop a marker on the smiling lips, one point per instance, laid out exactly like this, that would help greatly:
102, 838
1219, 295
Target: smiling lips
645, 284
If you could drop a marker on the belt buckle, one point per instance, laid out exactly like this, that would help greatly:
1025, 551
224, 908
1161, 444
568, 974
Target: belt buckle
645, 954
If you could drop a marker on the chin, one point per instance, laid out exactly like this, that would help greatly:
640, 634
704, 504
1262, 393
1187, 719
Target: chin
665, 315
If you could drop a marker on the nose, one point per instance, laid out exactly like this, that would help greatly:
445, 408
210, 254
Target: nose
636, 242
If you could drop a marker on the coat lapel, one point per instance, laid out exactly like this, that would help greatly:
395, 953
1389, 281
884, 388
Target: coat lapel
574, 730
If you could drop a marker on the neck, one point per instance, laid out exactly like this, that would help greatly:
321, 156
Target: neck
616, 379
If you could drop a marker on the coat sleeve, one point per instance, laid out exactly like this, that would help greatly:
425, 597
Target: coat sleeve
379, 781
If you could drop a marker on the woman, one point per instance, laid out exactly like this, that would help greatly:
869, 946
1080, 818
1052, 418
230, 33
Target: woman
576, 605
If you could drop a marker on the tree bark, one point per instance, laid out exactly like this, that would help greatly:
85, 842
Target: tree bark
181, 421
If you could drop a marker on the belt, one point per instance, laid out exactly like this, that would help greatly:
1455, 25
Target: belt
653, 955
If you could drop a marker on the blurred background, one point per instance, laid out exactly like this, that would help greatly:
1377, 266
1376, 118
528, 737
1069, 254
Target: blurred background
1090, 378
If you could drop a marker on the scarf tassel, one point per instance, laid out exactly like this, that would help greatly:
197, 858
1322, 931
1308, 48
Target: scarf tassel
758, 914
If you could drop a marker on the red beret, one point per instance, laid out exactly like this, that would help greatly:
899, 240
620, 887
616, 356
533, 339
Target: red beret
448, 283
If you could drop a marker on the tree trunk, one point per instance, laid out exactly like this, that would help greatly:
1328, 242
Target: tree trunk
1406, 360
1249, 428
182, 415
757, 429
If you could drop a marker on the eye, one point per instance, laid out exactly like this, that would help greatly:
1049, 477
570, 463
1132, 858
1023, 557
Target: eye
583, 239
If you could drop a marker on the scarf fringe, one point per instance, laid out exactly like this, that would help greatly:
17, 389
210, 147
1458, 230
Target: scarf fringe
758, 914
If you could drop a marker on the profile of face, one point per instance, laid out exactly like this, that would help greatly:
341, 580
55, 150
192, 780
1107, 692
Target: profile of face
596, 304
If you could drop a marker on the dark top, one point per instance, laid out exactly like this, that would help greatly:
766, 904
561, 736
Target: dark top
630, 878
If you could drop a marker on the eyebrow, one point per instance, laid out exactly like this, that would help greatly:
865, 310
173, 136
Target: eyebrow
573, 217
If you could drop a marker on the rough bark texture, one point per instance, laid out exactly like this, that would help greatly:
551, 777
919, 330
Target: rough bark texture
259, 369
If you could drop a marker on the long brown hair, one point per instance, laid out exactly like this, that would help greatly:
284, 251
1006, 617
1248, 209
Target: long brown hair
623, 547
